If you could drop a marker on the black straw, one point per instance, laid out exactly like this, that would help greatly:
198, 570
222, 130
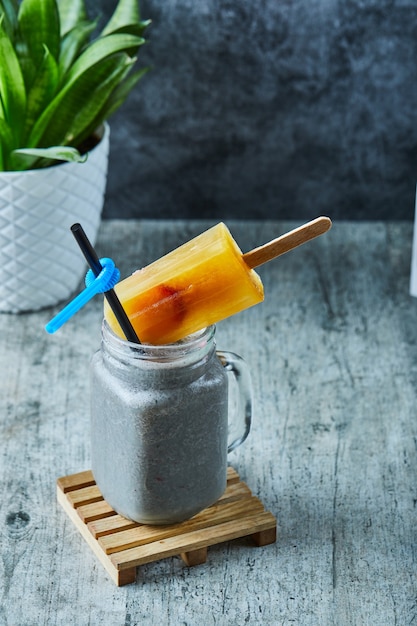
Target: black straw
111, 296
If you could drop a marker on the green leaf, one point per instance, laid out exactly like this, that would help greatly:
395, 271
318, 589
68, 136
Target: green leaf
42, 91
85, 70
39, 26
72, 44
9, 8
89, 112
59, 153
71, 13
26, 62
6, 143
121, 92
102, 48
65, 108
126, 12
134, 29
12, 87
2, 106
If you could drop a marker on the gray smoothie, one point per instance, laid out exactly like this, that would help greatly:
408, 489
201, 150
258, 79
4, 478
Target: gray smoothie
159, 428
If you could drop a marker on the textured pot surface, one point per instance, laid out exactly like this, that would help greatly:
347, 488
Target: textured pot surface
40, 263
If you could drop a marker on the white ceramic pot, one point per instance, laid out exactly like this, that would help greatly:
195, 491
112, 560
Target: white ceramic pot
40, 262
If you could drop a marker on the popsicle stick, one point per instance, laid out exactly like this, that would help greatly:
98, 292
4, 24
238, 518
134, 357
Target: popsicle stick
285, 243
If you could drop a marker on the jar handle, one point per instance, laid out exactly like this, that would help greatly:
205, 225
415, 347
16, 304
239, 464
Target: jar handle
240, 397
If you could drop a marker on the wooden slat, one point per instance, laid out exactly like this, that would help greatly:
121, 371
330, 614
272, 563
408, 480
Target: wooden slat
232, 475
209, 517
76, 481
85, 495
235, 491
110, 525
192, 541
95, 511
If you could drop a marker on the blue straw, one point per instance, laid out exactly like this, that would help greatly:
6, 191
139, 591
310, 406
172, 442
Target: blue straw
111, 296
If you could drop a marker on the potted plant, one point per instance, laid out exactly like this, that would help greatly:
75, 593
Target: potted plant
60, 80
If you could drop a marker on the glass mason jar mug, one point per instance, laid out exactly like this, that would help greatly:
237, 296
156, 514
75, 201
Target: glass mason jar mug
163, 419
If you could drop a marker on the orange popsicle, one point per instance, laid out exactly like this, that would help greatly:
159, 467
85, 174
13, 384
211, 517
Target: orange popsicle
200, 283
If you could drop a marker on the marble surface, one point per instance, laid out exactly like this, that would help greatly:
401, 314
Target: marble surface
332, 452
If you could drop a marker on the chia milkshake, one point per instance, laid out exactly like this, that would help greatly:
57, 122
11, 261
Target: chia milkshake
159, 420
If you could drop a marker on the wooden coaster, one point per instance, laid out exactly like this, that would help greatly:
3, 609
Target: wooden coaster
121, 545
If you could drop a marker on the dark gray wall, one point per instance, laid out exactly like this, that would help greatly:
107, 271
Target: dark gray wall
270, 109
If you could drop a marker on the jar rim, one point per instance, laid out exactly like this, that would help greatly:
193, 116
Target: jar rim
159, 352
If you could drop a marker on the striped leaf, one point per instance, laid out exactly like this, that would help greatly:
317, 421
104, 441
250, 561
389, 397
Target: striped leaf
83, 100
71, 13
6, 144
12, 86
134, 29
83, 79
73, 43
126, 12
39, 27
122, 91
42, 90
82, 70
101, 49
90, 112
54, 153
9, 9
